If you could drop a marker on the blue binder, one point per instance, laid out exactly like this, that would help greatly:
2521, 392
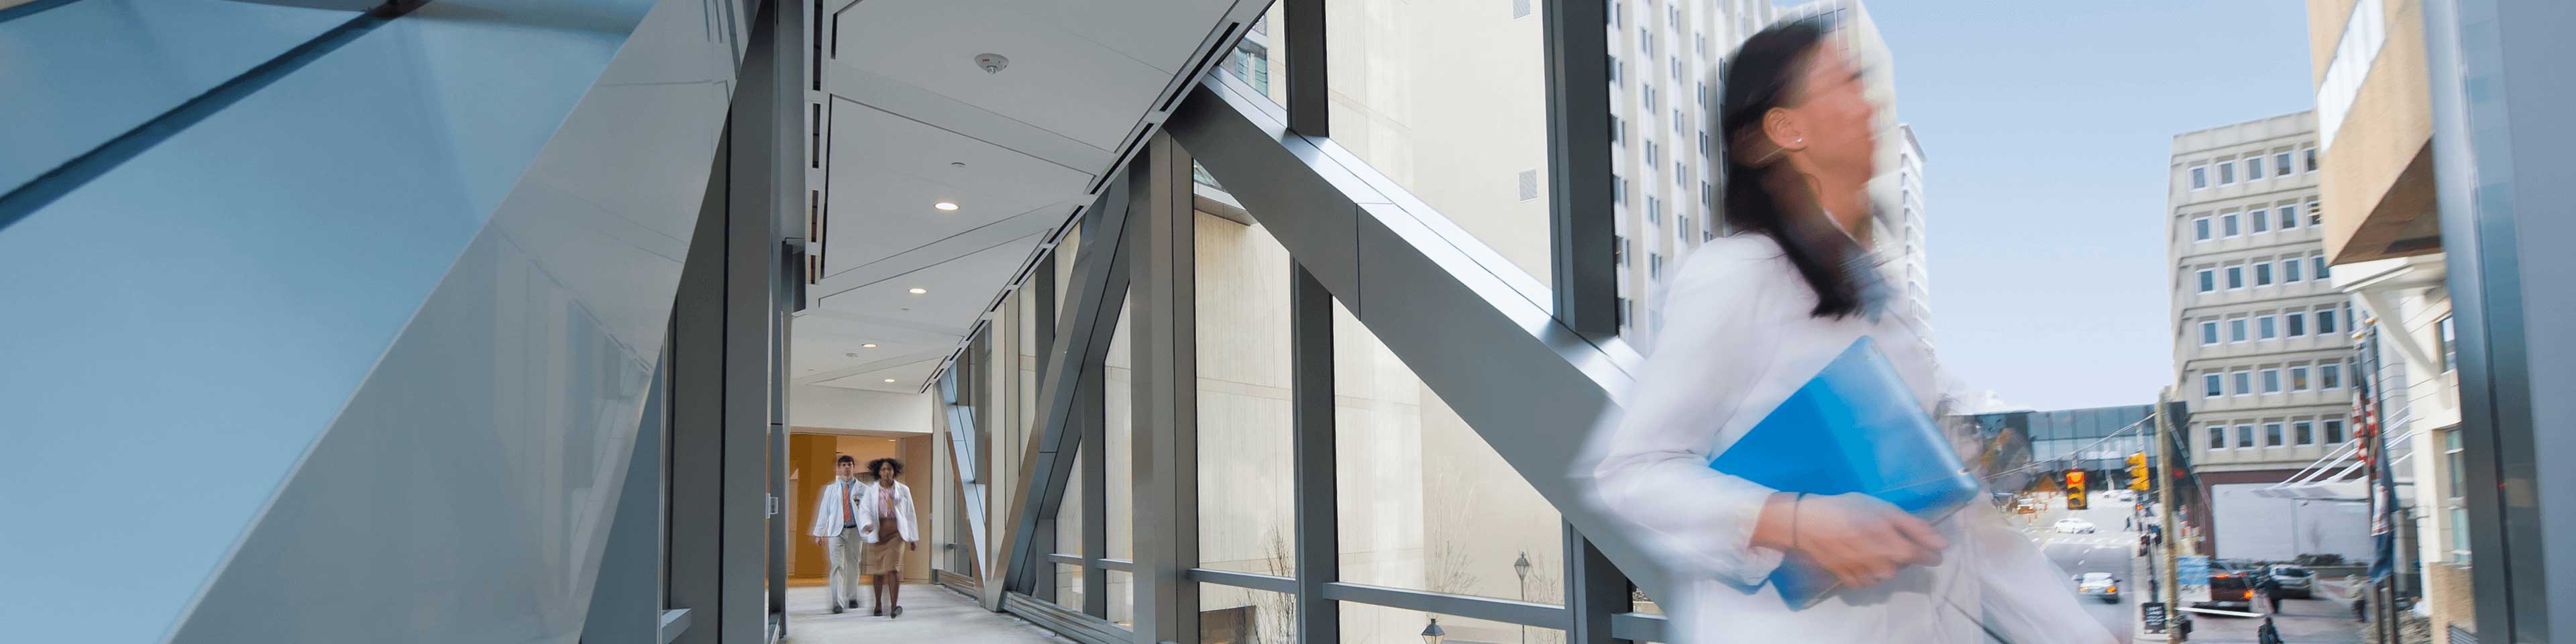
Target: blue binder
1854, 427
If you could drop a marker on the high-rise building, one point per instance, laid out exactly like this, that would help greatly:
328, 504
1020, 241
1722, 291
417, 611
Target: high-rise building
2262, 354
1899, 196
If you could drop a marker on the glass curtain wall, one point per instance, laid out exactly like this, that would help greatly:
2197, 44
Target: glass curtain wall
1247, 518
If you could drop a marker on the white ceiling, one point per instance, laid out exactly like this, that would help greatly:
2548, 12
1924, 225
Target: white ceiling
905, 104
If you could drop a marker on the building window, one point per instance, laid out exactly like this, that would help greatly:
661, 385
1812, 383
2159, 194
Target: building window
2316, 213
1703, 145
2271, 434
2212, 386
2447, 341
1624, 320
2262, 220
2326, 320
1614, 13
1618, 189
2319, 261
1618, 250
1646, 96
1645, 40
2244, 383
1615, 69
2330, 375
2271, 381
1618, 132
2311, 152
1654, 266
2294, 323
2208, 280
2217, 437
2304, 431
2334, 431
1652, 151
2263, 273
2245, 436
1679, 122
2281, 164
2200, 229
2289, 217
2290, 270
2199, 177
2226, 173
1699, 42
2253, 168
2266, 327
1682, 224
2236, 329
2235, 277
2208, 332
1528, 180
2227, 225
2298, 377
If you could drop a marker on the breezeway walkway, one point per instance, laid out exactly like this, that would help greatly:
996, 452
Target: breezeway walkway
931, 613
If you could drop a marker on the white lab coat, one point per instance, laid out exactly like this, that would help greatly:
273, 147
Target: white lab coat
831, 507
903, 520
1737, 340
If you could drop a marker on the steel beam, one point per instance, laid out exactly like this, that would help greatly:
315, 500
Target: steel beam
1100, 275
1164, 338
1312, 482
1580, 190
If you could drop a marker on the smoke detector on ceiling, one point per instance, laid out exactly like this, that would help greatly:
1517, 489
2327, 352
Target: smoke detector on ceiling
992, 63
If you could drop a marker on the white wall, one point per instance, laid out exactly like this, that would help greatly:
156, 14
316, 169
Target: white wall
814, 406
2270, 529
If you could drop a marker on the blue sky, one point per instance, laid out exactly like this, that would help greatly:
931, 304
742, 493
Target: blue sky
2046, 133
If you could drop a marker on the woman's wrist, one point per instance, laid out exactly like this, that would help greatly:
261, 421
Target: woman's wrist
1776, 527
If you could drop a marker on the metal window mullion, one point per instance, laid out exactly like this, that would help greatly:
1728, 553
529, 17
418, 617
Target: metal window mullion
1310, 324
1047, 461
1468, 606
1092, 416
1163, 339
1595, 592
1581, 232
1309, 86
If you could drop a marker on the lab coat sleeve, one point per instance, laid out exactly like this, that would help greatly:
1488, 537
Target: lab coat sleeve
827, 515
1708, 367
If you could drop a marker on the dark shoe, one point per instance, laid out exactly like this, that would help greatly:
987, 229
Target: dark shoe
880, 610
898, 612
836, 609
854, 603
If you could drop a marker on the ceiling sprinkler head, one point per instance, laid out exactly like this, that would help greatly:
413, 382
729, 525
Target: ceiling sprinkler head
992, 63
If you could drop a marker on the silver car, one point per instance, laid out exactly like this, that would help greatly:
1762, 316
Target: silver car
2099, 585
2295, 581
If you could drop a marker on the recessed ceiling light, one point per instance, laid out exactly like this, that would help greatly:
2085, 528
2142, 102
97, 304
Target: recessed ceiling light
889, 380
945, 206
918, 290
870, 345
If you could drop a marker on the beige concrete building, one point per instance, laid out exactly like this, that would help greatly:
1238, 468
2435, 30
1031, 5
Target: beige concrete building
2261, 348
2382, 235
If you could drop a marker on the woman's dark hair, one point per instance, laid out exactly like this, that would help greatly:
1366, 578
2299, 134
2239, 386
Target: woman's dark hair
886, 462
1763, 71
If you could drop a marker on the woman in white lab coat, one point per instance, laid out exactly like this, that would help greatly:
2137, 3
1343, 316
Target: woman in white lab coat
1750, 318
886, 522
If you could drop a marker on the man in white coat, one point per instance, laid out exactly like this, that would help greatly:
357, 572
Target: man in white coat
836, 517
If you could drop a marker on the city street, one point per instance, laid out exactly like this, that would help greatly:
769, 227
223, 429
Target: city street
2108, 549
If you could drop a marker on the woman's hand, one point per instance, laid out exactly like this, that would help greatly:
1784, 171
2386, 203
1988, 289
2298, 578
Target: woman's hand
1863, 541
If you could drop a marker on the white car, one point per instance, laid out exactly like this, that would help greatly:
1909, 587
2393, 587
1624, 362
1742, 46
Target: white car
2072, 525
2098, 584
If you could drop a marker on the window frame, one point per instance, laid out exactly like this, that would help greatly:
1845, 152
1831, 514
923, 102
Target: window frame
2229, 226
2209, 336
2275, 434
2202, 229
2243, 380
2329, 376
2235, 276
2299, 379
2253, 166
2267, 326
2212, 380
2198, 177
2218, 432
2303, 431
2270, 380
2294, 324
2227, 173
2290, 271
2240, 329
2245, 436
2208, 279
2281, 166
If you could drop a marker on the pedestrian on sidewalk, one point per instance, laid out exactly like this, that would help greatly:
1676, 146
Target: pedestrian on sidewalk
2271, 589
886, 522
2269, 634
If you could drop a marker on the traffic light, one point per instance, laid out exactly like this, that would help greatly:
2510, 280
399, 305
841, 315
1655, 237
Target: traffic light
2075, 490
2138, 472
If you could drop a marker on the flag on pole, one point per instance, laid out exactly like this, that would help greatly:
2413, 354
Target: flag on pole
2383, 480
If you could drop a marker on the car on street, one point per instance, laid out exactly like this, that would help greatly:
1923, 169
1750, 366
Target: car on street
2229, 590
2099, 585
2295, 581
2072, 525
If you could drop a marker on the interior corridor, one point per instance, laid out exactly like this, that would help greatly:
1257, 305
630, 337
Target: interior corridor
931, 613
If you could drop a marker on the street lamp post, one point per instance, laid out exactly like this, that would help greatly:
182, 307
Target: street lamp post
1432, 634
1521, 568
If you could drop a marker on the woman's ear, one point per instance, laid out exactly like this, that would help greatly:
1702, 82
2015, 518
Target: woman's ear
1785, 129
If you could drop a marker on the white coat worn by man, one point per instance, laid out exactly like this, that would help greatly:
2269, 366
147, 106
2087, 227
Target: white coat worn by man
836, 517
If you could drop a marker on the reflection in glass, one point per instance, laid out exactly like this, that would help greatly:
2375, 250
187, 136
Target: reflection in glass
1423, 502
1230, 615
1247, 518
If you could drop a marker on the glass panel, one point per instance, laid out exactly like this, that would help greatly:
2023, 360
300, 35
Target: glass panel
1230, 615
1068, 586
1261, 58
1122, 598
1447, 99
1424, 503
1247, 518
1372, 623
1119, 464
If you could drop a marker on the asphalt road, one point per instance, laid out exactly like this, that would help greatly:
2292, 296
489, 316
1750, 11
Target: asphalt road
2108, 549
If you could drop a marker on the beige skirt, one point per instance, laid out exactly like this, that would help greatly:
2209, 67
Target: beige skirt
885, 556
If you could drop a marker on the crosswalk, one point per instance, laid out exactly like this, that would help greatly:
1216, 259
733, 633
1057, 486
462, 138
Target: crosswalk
2099, 540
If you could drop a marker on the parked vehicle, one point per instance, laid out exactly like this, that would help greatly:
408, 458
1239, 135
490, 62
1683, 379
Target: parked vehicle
2229, 590
2072, 525
2295, 581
